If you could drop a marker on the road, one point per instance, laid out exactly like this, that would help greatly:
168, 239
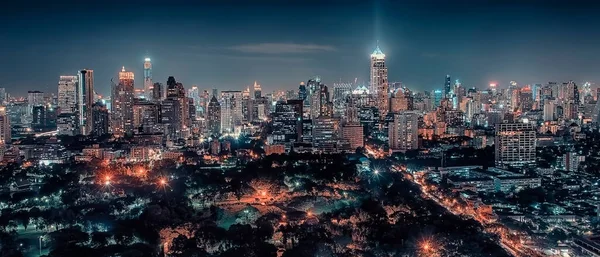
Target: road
508, 239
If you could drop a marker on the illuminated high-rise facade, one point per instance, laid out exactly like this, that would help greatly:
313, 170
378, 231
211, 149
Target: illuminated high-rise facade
67, 94
515, 144
86, 100
379, 81
148, 85
122, 104
5, 132
257, 91
447, 87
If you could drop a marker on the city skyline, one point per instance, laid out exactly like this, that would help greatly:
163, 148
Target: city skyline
475, 43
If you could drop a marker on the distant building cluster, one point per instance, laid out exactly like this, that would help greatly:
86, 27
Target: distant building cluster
316, 118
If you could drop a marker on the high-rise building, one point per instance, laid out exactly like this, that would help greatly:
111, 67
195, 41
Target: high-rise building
194, 94
148, 86
515, 144
437, 98
302, 92
122, 104
447, 87
5, 130
353, 133
379, 80
67, 94
157, 92
257, 91
247, 106
403, 131
231, 110
175, 110
86, 99
287, 122
100, 118
3, 96
34, 98
526, 99
213, 117
325, 133
146, 116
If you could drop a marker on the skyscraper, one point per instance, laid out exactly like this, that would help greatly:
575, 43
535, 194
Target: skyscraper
146, 116
157, 92
325, 133
86, 99
379, 80
302, 94
100, 125
231, 110
213, 117
148, 86
5, 132
67, 94
403, 131
447, 87
515, 144
122, 104
175, 109
257, 91
287, 122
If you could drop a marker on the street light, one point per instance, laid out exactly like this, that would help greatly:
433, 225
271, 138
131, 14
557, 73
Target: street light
41, 245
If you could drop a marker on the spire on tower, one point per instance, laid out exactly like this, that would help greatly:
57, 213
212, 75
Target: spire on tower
123, 70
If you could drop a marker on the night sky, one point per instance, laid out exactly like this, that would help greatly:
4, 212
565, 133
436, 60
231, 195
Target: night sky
229, 44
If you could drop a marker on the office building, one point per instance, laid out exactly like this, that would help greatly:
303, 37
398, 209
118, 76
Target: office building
67, 94
353, 133
148, 85
122, 104
515, 144
287, 122
325, 134
5, 129
403, 131
158, 93
85, 99
379, 80
146, 116
213, 117
100, 118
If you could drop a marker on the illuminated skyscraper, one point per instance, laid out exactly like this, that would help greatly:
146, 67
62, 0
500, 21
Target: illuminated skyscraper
447, 87
67, 94
148, 86
175, 109
231, 110
86, 100
5, 132
437, 98
122, 104
257, 91
213, 119
379, 80
302, 94
100, 116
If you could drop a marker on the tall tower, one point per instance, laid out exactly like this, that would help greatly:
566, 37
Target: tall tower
122, 104
86, 99
67, 94
379, 81
257, 91
447, 85
148, 86
5, 133
213, 117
